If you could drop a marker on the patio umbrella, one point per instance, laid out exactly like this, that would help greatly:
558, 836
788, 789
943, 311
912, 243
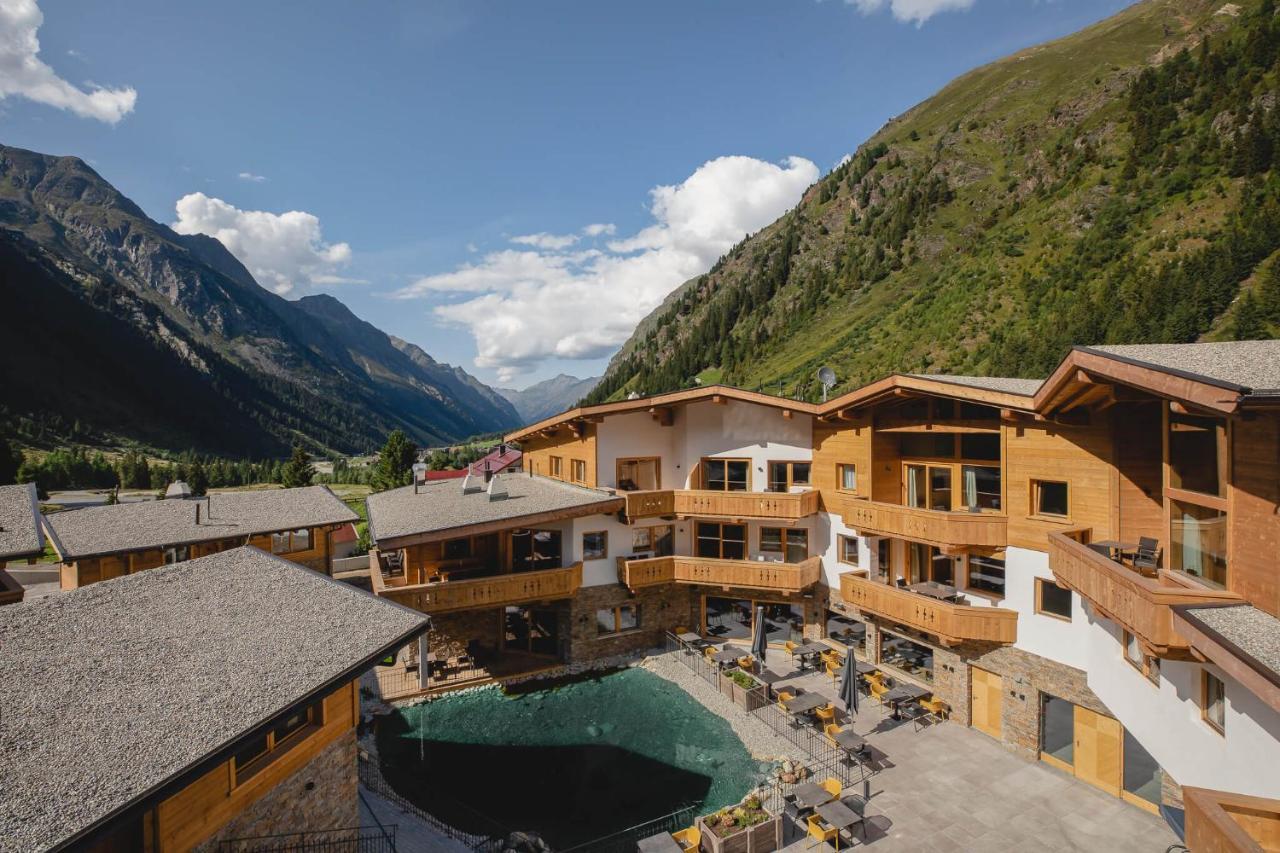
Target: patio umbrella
759, 645
849, 683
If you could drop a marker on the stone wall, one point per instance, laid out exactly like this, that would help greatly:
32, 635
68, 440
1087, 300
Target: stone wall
451, 632
662, 609
320, 795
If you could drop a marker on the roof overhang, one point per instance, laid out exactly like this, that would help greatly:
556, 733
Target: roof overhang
898, 385
496, 525
1070, 384
1239, 664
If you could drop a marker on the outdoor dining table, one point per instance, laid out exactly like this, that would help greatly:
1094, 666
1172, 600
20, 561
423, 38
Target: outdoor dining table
864, 668
663, 842
903, 693
933, 589
838, 816
1117, 549
848, 741
728, 656
804, 703
807, 652
689, 638
811, 795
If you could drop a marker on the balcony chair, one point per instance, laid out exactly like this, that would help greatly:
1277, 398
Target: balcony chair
1147, 558
825, 714
819, 831
689, 839
785, 696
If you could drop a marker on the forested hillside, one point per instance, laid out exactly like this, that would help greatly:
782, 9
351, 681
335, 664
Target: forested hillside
1114, 186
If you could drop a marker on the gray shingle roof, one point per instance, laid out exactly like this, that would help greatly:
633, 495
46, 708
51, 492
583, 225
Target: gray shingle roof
20, 533
1255, 632
156, 524
1003, 384
441, 505
115, 688
1250, 366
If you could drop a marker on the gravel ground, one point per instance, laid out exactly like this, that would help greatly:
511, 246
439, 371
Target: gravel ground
759, 739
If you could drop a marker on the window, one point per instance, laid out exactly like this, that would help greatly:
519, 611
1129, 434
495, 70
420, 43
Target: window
1138, 659
726, 475
657, 539
847, 477
1053, 600
1213, 704
1057, 729
579, 471
286, 543
1197, 453
285, 734
1049, 498
782, 622
616, 620
847, 550
1198, 545
457, 549
727, 618
884, 557
792, 543
986, 575
595, 546
722, 541
784, 475
928, 563
556, 467
181, 553
638, 474
906, 655
533, 550
981, 487
928, 487
531, 629
1141, 772
846, 630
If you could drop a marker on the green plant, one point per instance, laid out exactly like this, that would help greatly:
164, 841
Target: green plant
741, 679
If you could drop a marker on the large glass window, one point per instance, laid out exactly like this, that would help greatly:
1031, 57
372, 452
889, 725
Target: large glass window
1199, 542
846, 630
532, 629
727, 618
1049, 497
906, 655
637, 474
784, 475
981, 487
1058, 728
533, 550
792, 543
656, 540
1197, 453
939, 488
726, 475
615, 620
1141, 772
928, 486
722, 541
783, 622
927, 563
917, 493
1053, 600
595, 545
986, 574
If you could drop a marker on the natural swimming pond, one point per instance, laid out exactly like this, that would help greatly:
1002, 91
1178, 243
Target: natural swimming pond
572, 760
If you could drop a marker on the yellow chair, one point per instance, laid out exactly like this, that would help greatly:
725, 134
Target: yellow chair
747, 662
832, 786
878, 690
820, 831
834, 669
825, 714
689, 839
680, 629
829, 731
936, 707
790, 648
709, 652
785, 696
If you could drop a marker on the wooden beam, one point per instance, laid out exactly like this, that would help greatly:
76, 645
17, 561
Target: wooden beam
786, 413
664, 415
719, 400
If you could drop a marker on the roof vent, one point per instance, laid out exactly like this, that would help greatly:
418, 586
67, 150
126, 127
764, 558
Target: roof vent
470, 488
497, 490
419, 475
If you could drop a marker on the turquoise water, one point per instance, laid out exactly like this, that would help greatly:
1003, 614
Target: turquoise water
572, 760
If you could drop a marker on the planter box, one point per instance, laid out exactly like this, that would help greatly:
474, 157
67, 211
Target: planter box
762, 838
748, 699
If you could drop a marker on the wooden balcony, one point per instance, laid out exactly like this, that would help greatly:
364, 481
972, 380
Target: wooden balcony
1218, 822
787, 506
950, 623
785, 578
950, 530
478, 593
1141, 605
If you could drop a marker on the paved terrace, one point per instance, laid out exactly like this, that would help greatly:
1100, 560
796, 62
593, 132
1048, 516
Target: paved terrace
946, 787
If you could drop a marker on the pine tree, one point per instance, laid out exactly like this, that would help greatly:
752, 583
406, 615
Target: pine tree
298, 471
197, 478
1248, 324
395, 462
10, 462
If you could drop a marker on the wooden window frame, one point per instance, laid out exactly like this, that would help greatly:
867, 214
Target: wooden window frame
1035, 485
840, 466
952, 469
623, 460
604, 534
986, 593
746, 538
783, 539
1148, 667
1040, 582
574, 466
291, 540
1220, 728
315, 722
725, 459
841, 539
791, 478
618, 630
555, 467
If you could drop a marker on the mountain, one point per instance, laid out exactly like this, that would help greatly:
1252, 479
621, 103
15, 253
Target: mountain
119, 330
549, 397
1114, 186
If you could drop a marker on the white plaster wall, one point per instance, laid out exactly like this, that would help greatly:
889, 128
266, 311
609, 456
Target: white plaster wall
829, 527
1055, 639
636, 434
742, 431
1165, 719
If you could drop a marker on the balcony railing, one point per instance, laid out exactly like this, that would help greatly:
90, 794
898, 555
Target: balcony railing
748, 574
1143, 606
937, 527
951, 623
1230, 823
695, 502
495, 591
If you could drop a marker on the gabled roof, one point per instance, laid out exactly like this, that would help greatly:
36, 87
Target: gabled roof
991, 391
118, 692
20, 530
434, 511
999, 384
120, 528
499, 459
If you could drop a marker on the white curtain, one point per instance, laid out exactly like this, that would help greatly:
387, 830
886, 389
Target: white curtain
1192, 560
913, 495
970, 487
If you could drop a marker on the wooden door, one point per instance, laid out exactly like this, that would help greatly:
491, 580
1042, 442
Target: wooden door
987, 689
1099, 742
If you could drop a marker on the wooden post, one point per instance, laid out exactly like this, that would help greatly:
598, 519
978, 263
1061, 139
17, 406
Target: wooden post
424, 670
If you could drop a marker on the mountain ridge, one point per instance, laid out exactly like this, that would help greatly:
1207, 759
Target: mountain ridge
548, 397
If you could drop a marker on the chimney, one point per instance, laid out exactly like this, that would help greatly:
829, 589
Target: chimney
419, 475
497, 491
469, 488
488, 473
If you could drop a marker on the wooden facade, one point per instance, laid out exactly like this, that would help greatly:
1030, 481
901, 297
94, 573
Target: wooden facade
554, 452
770, 576
957, 531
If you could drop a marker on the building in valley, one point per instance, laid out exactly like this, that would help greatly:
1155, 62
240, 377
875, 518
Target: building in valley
21, 535
103, 542
1084, 568
187, 707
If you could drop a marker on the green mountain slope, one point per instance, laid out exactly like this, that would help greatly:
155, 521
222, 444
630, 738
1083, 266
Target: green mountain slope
1113, 186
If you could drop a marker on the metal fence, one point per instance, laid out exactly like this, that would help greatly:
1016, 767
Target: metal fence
351, 839
491, 838
624, 841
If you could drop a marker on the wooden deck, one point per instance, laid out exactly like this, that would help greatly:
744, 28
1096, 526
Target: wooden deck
749, 574
395, 683
787, 506
950, 623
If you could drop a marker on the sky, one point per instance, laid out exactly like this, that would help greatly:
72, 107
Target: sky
510, 185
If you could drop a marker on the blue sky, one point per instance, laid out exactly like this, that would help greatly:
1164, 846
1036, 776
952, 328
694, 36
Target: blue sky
413, 141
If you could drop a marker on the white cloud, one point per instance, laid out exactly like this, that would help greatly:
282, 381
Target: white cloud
284, 251
250, 176
543, 240
914, 11
523, 306
595, 229
23, 73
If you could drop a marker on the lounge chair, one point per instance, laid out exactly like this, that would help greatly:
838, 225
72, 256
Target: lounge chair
819, 831
689, 839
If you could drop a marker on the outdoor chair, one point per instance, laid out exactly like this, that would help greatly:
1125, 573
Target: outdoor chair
878, 690
1148, 555
819, 831
689, 839
829, 731
790, 648
825, 714
833, 670
832, 786
1101, 549
785, 696
747, 663
680, 629
709, 652
900, 583
935, 707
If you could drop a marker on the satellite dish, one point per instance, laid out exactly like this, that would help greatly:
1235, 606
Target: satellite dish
827, 377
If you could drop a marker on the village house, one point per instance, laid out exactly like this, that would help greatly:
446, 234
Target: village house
21, 536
